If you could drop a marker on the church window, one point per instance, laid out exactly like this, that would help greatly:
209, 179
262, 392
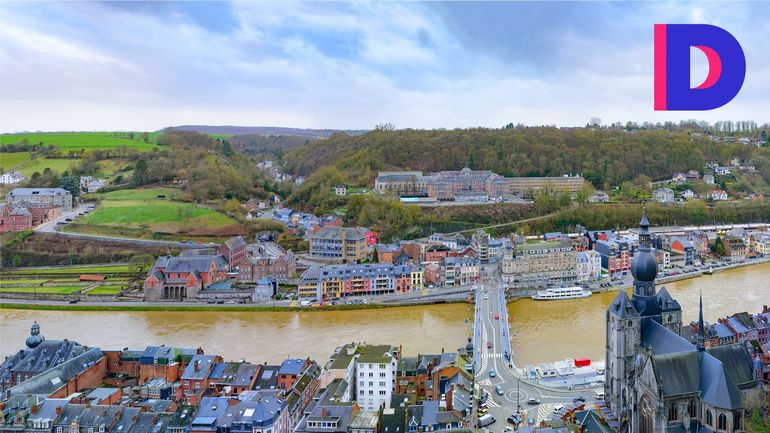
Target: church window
722, 424
736, 421
692, 408
672, 413
647, 416
709, 418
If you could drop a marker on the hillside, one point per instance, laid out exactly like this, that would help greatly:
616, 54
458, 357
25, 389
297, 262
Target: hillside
604, 157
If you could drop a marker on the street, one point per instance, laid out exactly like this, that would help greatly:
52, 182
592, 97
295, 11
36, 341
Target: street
516, 391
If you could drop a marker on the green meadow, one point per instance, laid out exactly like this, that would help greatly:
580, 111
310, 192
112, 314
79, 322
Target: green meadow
80, 140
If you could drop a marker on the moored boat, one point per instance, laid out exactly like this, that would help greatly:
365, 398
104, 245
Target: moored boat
561, 293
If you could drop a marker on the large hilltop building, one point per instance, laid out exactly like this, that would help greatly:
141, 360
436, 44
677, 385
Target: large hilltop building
657, 381
468, 185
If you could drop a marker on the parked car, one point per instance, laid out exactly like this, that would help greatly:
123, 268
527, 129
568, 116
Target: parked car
579, 400
557, 408
533, 400
74, 301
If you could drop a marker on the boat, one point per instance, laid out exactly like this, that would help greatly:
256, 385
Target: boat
710, 271
561, 293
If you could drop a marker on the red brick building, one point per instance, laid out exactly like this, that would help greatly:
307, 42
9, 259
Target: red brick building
233, 250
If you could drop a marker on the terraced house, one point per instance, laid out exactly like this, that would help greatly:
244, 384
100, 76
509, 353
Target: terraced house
337, 281
540, 263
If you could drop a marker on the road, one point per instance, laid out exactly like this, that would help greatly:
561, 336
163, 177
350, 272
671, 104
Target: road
494, 332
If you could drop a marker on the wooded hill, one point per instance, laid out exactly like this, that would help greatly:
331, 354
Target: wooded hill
605, 157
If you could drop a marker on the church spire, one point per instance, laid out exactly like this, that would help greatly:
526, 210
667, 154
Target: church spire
701, 331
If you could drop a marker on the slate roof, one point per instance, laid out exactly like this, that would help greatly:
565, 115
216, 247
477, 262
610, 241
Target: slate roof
88, 416
268, 377
54, 378
291, 366
47, 354
736, 361
210, 411
623, 307
662, 340
205, 364
194, 263
244, 375
235, 243
38, 191
151, 423
261, 413
337, 233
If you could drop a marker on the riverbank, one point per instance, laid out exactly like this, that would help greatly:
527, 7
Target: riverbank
434, 297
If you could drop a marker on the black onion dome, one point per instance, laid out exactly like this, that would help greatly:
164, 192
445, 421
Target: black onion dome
644, 267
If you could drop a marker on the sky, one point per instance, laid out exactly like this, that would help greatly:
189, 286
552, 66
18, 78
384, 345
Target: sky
147, 65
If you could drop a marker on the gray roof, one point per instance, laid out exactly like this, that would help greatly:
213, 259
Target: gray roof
235, 243
38, 191
623, 307
205, 363
662, 340
53, 379
337, 233
194, 263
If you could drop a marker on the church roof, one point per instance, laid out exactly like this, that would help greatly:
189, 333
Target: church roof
662, 340
666, 302
716, 387
677, 373
736, 361
623, 307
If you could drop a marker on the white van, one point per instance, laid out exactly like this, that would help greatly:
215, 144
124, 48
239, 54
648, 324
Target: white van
599, 394
305, 303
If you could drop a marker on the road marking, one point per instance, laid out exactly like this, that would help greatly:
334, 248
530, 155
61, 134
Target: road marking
485, 382
545, 411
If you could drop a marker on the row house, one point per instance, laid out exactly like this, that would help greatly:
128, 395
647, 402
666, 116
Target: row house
290, 371
164, 362
735, 248
11, 177
683, 248
589, 266
615, 255
762, 322
197, 377
232, 378
760, 244
300, 395
743, 326
338, 281
459, 271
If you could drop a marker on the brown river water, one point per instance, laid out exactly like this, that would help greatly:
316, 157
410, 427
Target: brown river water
546, 330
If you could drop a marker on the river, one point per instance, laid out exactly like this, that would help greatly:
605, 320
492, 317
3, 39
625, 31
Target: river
547, 331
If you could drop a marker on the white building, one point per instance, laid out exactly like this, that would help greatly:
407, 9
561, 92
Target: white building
376, 368
688, 194
589, 265
663, 195
89, 184
341, 190
718, 194
708, 178
11, 177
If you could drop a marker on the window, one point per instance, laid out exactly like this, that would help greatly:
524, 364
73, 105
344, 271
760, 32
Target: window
362, 374
58, 429
371, 383
722, 422
383, 393
382, 383
672, 413
360, 392
382, 374
371, 374
736, 421
90, 430
383, 366
371, 392
709, 419
691, 409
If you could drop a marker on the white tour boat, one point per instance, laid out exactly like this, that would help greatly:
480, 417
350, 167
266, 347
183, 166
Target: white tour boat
562, 293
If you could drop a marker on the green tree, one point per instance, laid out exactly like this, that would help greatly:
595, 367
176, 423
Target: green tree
140, 172
232, 207
718, 248
71, 184
375, 256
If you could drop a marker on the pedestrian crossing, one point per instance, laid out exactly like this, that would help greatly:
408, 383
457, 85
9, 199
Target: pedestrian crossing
485, 382
491, 355
545, 411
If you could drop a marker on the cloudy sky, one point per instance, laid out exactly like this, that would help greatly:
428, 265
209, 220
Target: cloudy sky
145, 65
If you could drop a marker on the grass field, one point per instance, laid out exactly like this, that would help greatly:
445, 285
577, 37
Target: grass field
140, 213
40, 164
78, 140
12, 159
99, 270
47, 289
105, 290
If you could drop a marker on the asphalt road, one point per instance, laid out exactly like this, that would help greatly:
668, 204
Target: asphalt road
516, 391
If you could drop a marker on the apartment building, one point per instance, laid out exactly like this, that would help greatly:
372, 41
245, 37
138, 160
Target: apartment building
376, 368
48, 196
339, 244
540, 263
337, 281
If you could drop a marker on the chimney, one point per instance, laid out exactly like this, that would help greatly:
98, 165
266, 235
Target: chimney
323, 412
196, 365
33, 410
58, 411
